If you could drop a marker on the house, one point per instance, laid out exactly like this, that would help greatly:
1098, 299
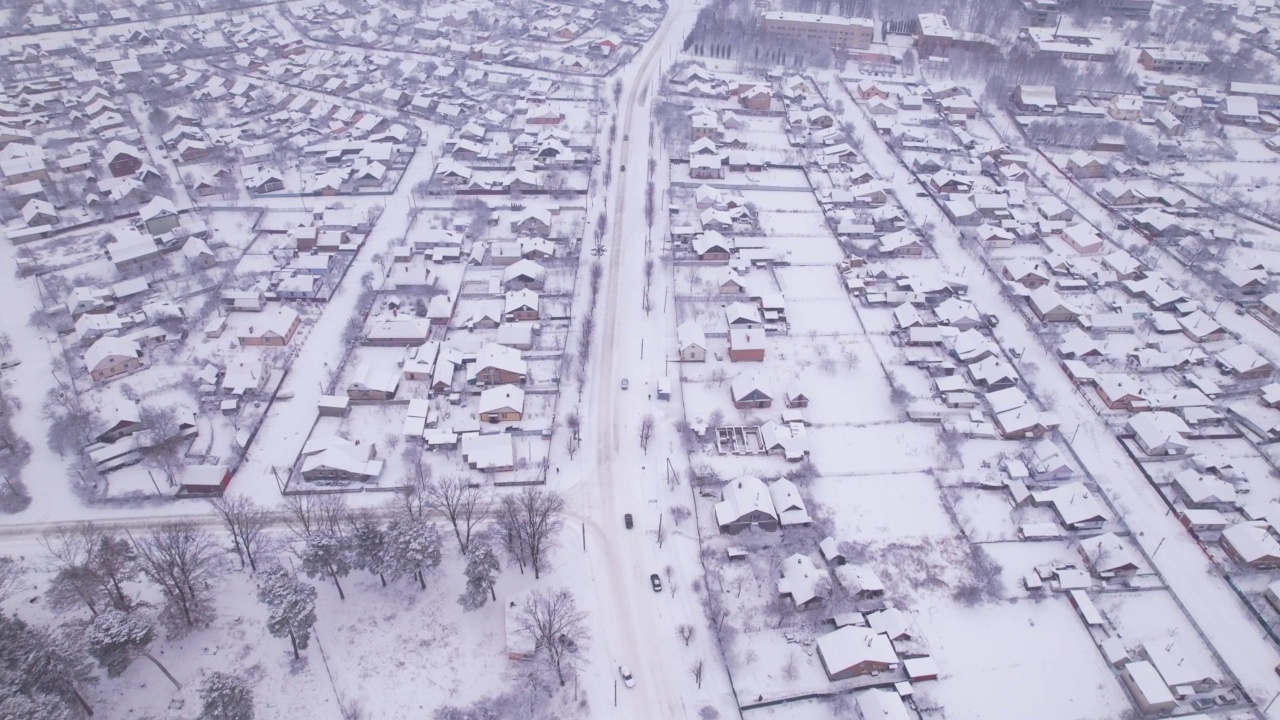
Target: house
804, 581
1173, 61
498, 365
520, 306
1243, 362
730, 282
1036, 98
1148, 689
1028, 273
1120, 392
204, 479
1075, 506
111, 357
1109, 556
1179, 668
1252, 544
692, 342
274, 328
1238, 110
750, 392
902, 243
852, 651
746, 345
122, 159
336, 458
1083, 165
712, 246
1160, 433
745, 316
794, 396
787, 503
1049, 306
524, 274
1126, 108
159, 215
374, 382
706, 167
745, 503
503, 403
877, 704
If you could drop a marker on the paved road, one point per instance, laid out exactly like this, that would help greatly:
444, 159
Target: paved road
637, 626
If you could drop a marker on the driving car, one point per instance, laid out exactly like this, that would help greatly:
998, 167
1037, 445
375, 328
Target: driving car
625, 384
5, 365
627, 678
626, 520
656, 582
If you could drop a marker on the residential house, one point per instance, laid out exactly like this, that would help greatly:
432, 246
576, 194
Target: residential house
746, 344
750, 392
498, 365
502, 403
1160, 433
692, 342
374, 382
804, 581
111, 357
273, 328
852, 651
745, 503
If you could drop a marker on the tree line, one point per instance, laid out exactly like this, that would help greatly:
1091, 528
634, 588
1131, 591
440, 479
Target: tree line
106, 573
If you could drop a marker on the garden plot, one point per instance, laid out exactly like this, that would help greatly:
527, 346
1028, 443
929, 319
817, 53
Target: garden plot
985, 515
795, 226
1154, 617
1018, 659
1020, 558
874, 449
878, 509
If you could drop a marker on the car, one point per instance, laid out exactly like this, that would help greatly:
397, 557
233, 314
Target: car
626, 138
623, 167
6, 364
625, 384
627, 678
626, 520
284, 395
656, 582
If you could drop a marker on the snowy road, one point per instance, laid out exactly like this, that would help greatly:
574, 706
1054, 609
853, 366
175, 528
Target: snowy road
637, 626
1211, 605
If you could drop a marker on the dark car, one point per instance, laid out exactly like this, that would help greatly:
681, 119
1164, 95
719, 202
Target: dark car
626, 519
656, 582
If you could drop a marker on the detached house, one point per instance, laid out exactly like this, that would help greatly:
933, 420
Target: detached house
745, 503
692, 342
750, 392
122, 160
272, 328
111, 357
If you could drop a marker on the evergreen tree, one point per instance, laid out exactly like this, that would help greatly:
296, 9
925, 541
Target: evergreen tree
38, 670
327, 553
369, 546
226, 697
482, 575
291, 606
413, 547
115, 638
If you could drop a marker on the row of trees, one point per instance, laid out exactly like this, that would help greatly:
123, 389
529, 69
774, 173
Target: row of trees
106, 572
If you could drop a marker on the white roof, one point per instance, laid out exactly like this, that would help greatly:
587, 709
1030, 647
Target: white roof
106, 348
743, 496
851, 645
502, 397
1252, 540
689, 333
802, 579
1149, 682
787, 502
1177, 666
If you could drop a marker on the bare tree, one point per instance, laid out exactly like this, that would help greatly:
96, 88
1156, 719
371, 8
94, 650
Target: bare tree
181, 559
247, 522
646, 432
696, 670
533, 519
556, 626
574, 423
685, 631
462, 504
306, 514
163, 439
10, 577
